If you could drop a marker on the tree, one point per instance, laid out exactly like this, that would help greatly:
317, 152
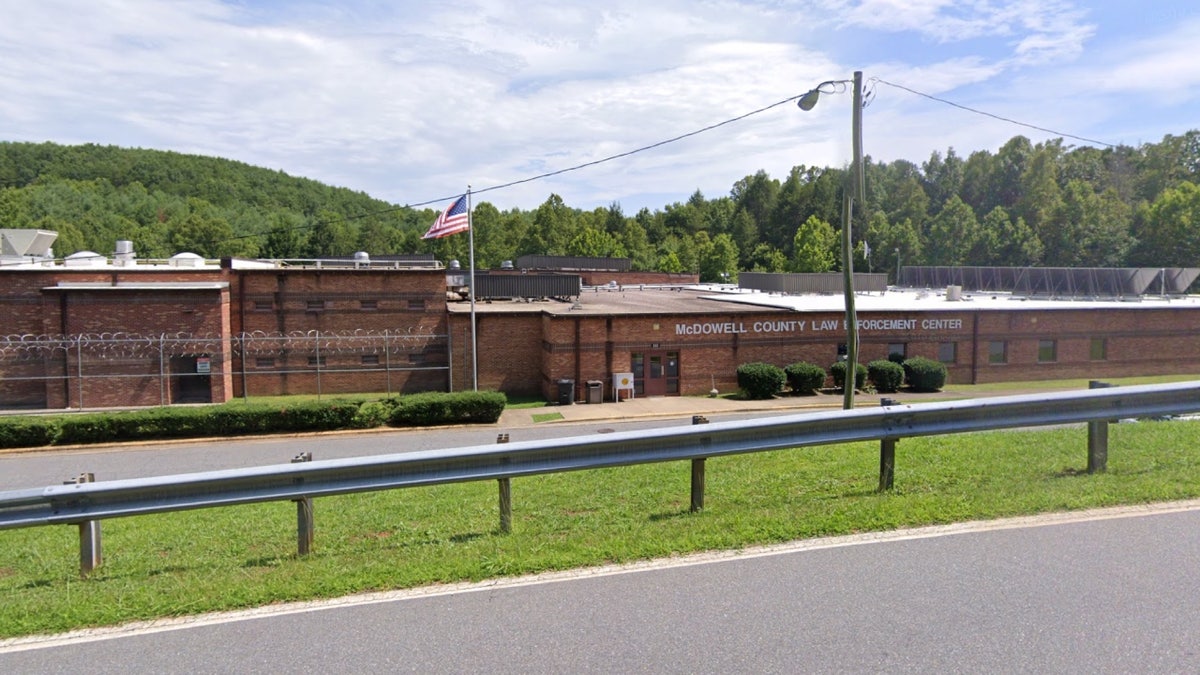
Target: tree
593, 243
813, 249
953, 232
1170, 236
890, 239
943, 177
718, 259
1012, 244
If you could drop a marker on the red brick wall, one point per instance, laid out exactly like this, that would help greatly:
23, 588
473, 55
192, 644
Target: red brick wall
510, 352
400, 314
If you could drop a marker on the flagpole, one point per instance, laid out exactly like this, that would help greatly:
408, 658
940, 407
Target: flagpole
471, 258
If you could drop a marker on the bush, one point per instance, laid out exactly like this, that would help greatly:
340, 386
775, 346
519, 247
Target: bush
805, 378
925, 374
371, 414
760, 380
896, 358
887, 376
426, 409
838, 372
33, 432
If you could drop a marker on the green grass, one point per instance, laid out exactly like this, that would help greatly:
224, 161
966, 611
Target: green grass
235, 557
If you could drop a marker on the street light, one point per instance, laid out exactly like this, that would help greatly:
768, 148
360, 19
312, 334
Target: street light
855, 191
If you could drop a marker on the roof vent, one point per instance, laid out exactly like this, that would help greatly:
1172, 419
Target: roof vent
186, 260
124, 255
26, 242
85, 259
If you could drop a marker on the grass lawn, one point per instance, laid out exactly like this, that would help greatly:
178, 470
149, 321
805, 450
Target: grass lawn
244, 556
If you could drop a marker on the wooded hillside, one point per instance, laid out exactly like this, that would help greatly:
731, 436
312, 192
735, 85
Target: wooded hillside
1045, 204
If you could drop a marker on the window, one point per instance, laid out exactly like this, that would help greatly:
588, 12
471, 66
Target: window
368, 305
900, 348
1099, 349
416, 305
1047, 351
370, 359
262, 362
315, 305
263, 305
997, 351
316, 360
948, 352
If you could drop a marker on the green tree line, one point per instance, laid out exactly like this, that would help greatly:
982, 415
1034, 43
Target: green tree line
1044, 204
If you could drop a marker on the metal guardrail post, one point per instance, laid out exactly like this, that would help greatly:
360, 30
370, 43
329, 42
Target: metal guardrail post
698, 473
505, 496
1098, 438
887, 455
90, 553
304, 515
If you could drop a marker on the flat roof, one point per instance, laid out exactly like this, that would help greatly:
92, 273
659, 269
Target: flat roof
716, 298
139, 286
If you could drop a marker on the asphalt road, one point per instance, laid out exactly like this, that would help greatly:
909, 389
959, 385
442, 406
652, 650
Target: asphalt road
1107, 595
51, 467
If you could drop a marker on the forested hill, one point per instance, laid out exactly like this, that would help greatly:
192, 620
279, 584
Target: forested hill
1047, 204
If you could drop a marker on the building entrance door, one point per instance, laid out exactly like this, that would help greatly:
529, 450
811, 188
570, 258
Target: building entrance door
191, 381
656, 373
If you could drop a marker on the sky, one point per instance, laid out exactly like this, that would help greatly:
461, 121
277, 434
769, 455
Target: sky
412, 102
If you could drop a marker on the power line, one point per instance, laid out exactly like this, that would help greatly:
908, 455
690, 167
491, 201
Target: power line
988, 114
557, 172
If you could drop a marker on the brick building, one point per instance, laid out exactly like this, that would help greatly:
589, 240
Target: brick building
95, 331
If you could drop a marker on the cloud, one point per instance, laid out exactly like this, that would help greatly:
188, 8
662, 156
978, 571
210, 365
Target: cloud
410, 101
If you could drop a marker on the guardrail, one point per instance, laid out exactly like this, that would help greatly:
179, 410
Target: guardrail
83, 502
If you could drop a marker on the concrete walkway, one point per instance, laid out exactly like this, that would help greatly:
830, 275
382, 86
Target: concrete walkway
683, 406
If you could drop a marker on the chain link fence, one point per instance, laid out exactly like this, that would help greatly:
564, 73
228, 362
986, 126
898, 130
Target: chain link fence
116, 369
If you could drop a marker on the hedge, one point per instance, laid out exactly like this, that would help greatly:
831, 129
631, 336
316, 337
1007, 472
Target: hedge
240, 419
431, 408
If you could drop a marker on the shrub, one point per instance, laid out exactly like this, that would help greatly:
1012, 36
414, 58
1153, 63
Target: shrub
27, 432
887, 376
371, 414
760, 380
925, 374
805, 378
468, 407
896, 358
838, 372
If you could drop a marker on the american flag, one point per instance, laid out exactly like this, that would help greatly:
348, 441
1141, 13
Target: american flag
453, 220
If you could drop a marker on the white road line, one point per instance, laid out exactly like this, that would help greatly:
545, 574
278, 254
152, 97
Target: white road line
180, 623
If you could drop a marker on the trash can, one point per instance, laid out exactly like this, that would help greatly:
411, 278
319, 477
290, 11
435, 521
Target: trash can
595, 391
566, 392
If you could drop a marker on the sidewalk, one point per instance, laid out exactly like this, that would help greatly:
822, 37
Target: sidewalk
683, 406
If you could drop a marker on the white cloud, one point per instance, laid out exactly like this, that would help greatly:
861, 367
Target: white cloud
410, 101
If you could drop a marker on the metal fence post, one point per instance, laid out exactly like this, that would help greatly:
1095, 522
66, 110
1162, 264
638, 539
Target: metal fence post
887, 455
90, 554
505, 496
1097, 438
304, 514
698, 473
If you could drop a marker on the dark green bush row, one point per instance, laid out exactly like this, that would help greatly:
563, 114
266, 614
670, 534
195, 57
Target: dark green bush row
240, 419
441, 408
760, 380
